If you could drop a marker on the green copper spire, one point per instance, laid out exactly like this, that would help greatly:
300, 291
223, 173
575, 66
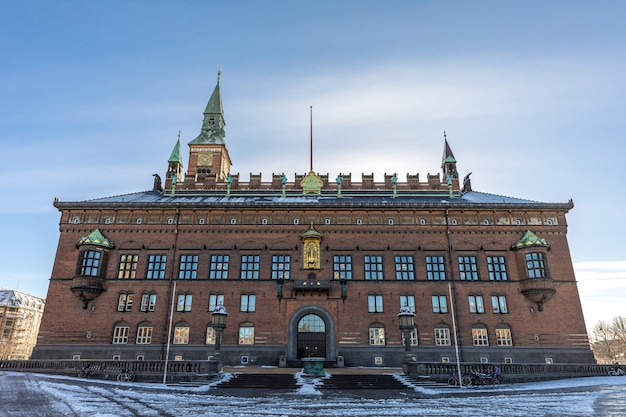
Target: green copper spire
176, 156
213, 124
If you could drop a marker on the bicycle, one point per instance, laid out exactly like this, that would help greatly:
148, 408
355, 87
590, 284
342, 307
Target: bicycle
617, 371
126, 376
454, 380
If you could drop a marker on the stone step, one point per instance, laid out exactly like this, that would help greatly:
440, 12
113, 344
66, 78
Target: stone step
273, 381
353, 382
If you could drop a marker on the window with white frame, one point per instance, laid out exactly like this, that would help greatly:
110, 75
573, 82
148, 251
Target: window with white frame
377, 335
373, 265
148, 302
440, 305
412, 337
246, 334
498, 303
442, 335
248, 303
219, 267
435, 268
408, 301
144, 334
479, 336
405, 268
342, 267
375, 303
127, 268
503, 335
125, 301
120, 333
156, 266
181, 334
281, 266
188, 268
215, 300
183, 302
476, 304
249, 267
496, 265
468, 268
210, 335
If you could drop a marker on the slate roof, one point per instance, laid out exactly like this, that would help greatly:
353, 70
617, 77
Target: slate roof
329, 198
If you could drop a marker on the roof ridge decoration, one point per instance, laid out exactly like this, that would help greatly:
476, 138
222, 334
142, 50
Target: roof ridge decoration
530, 240
96, 238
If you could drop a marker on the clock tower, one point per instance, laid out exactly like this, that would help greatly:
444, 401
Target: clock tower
208, 155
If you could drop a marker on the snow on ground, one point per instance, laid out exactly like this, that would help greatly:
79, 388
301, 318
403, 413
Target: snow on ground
25, 394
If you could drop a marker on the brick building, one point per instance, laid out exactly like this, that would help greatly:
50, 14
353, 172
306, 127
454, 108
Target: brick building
20, 317
311, 266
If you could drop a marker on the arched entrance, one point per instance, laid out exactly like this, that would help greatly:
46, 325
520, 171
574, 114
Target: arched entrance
311, 337
311, 334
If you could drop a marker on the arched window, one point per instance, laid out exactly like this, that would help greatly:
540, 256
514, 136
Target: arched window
377, 334
442, 335
246, 334
181, 334
120, 333
413, 337
479, 335
210, 335
503, 335
144, 333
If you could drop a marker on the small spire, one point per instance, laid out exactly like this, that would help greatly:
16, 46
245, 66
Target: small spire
219, 73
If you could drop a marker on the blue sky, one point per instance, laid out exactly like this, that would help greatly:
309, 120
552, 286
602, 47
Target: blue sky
531, 94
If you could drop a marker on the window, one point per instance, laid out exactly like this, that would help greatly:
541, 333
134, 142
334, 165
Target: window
498, 302
468, 268
503, 335
248, 302
536, 265
246, 335
120, 333
412, 337
404, 268
156, 266
476, 304
479, 336
181, 334
184, 302
442, 336
408, 301
144, 334
377, 335
281, 266
188, 268
439, 304
435, 268
125, 302
148, 302
497, 268
89, 263
210, 335
249, 266
127, 266
373, 267
342, 267
219, 267
215, 300
375, 303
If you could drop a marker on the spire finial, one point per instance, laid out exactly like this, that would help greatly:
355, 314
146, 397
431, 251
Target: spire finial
179, 135
219, 73
444, 135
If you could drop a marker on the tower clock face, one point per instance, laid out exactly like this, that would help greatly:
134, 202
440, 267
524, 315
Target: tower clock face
205, 159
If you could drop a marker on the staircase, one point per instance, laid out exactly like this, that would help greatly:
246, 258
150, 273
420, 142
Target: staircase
267, 381
354, 382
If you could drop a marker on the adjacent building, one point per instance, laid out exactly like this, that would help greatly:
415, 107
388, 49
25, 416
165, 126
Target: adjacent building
311, 265
20, 317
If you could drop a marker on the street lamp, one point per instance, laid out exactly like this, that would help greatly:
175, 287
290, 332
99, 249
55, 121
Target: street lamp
407, 324
219, 324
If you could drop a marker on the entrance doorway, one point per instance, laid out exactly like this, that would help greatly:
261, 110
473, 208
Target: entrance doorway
311, 337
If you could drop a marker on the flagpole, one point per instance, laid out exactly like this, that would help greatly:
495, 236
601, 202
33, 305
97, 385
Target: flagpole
311, 136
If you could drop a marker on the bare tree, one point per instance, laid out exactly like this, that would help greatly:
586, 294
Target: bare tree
602, 342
